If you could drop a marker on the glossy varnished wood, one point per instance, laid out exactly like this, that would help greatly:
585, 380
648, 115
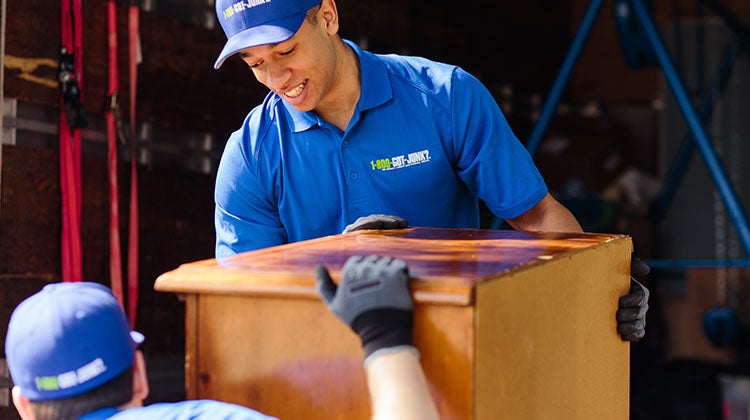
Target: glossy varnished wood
258, 335
444, 263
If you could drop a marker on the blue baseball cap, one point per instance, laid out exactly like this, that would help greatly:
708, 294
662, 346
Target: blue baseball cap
249, 23
67, 339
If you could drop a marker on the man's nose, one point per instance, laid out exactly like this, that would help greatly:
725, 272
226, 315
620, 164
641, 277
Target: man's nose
277, 76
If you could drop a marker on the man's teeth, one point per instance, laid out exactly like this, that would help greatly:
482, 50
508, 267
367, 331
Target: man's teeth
296, 91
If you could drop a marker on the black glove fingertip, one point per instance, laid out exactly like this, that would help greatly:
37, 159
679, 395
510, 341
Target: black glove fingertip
638, 267
324, 282
399, 223
400, 264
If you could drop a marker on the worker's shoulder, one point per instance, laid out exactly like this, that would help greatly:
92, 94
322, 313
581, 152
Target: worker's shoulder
420, 72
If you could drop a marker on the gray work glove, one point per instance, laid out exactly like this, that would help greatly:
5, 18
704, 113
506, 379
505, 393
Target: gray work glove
373, 299
377, 221
631, 314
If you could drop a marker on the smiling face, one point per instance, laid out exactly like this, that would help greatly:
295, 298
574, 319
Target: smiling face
304, 69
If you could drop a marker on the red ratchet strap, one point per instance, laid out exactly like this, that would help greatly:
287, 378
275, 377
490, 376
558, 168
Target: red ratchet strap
113, 87
71, 120
114, 132
134, 55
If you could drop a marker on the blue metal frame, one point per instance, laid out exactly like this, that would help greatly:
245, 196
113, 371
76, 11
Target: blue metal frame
687, 147
562, 77
699, 136
697, 263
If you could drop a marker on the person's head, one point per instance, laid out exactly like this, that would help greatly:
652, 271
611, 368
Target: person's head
70, 351
292, 46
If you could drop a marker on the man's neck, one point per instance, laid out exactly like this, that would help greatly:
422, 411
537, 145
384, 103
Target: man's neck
346, 89
133, 403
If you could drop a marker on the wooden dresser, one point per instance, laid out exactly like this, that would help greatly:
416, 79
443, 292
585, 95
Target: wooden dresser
510, 325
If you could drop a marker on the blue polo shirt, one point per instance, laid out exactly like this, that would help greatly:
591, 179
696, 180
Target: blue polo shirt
185, 410
426, 140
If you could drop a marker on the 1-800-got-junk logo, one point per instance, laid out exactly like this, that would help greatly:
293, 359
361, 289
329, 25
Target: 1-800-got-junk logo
401, 161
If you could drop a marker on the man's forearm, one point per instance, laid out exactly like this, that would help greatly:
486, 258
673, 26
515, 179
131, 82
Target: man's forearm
548, 215
398, 386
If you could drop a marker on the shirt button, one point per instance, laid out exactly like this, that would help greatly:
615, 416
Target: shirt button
354, 175
345, 143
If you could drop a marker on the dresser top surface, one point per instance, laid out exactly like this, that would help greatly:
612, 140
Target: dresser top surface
442, 262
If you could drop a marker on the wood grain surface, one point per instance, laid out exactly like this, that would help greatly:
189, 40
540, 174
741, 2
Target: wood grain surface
443, 263
509, 325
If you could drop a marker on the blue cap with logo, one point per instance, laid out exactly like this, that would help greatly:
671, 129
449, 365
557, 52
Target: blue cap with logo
67, 339
249, 23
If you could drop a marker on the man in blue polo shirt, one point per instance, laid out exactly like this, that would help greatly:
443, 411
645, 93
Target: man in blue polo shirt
72, 355
345, 134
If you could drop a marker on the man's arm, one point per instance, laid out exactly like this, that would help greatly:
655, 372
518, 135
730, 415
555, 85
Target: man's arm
374, 300
548, 215
244, 218
398, 387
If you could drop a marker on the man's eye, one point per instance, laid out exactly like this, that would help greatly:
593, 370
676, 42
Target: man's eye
254, 65
287, 52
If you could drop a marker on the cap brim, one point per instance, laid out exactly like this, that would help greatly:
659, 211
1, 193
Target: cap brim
270, 33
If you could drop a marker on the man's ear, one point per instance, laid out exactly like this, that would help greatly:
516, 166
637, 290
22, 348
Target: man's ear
330, 16
23, 405
140, 380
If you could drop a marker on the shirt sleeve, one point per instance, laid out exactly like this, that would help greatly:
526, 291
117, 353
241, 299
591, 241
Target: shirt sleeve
491, 160
245, 218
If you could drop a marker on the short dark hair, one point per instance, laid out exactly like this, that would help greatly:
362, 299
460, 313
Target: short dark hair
312, 14
114, 393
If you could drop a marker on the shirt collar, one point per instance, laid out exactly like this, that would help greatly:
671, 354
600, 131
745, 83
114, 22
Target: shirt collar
376, 89
376, 85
